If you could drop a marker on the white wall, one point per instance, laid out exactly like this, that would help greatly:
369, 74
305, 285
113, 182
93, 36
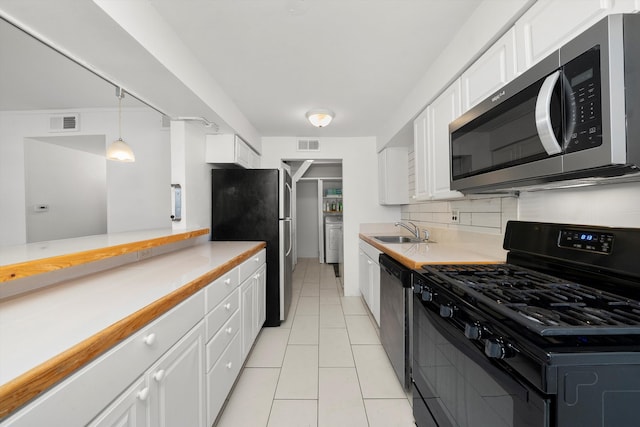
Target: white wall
488, 22
190, 171
307, 219
75, 207
360, 187
138, 195
616, 205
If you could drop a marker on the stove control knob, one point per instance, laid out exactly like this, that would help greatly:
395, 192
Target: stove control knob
417, 288
446, 311
427, 295
472, 331
495, 349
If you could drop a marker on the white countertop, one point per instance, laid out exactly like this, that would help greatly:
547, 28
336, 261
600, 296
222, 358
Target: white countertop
38, 250
444, 247
38, 326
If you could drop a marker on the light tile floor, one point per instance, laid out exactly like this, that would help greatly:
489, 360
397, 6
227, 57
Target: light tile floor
324, 366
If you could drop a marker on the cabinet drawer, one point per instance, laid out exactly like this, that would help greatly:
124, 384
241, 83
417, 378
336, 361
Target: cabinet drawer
217, 290
219, 315
248, 267
370, 251
68, 403
219, 342
222, 376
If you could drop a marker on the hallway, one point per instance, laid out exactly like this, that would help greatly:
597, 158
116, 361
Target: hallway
323, 367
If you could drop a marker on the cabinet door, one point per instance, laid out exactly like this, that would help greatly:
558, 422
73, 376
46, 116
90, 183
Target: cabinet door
421, 157
374, 278
548, 24
247, 307
176, 383
393, 179
440, 113
365, 288
242, 153
261, 301
128, 410
495, 68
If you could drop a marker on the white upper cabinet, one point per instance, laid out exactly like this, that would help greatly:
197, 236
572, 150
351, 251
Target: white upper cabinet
421, 157
432, 150
230, 149
495, 68
393, 176
440, 113
548, 24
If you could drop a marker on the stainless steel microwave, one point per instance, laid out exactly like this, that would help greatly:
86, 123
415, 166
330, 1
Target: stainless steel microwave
575, 114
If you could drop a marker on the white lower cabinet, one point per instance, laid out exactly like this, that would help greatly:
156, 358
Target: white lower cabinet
170, 393
176, 371
253, 302
370, 278
176, 384
222, 376
129, 410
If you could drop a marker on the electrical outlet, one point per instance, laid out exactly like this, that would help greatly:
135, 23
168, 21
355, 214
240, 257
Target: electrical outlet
455, 216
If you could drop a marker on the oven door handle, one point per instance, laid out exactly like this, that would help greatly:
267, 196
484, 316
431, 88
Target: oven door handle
543, 115
463, 344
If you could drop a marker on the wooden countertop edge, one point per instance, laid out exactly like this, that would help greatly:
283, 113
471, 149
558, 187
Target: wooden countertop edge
411, 263
45, 265
32, 383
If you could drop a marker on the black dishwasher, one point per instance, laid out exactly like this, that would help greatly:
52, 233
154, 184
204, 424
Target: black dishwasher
395, 315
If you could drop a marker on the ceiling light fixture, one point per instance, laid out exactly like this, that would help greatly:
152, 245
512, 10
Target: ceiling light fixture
320, 117
120, 150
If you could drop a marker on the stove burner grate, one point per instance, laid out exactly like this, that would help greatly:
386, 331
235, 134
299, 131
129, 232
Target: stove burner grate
544, 303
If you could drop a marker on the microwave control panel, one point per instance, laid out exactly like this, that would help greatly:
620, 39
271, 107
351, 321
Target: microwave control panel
583, 101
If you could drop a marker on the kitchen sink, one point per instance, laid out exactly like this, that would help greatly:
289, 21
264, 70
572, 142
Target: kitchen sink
397, 239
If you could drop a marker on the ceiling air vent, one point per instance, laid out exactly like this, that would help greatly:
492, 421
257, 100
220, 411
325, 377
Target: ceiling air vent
308, 145
64, 123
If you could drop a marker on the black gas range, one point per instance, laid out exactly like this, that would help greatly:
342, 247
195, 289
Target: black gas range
550, 338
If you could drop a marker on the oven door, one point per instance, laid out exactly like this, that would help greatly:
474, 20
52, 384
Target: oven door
459, 386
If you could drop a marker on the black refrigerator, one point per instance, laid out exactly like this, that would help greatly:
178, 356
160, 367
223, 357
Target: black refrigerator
255, 204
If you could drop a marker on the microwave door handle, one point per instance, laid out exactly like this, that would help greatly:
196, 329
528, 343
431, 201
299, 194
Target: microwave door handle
543, 115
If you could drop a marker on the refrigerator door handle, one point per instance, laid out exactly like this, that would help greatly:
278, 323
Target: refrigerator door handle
288, 208
290, 238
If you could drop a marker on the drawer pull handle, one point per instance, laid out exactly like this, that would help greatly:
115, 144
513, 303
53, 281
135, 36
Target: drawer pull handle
229, 365
227, 306
150, 339
143, 394
229, 331
227, 281
158, 376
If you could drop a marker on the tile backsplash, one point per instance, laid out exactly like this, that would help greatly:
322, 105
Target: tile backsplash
614, 204
483, 214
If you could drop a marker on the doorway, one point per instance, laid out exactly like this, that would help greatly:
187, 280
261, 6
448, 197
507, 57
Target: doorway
319, 207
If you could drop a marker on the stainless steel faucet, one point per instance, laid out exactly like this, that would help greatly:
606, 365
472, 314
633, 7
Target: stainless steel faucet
415, 231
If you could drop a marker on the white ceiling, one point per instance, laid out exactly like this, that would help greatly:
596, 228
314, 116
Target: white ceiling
276, 59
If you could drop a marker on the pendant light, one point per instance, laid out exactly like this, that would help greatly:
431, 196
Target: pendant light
320, 117
119, 150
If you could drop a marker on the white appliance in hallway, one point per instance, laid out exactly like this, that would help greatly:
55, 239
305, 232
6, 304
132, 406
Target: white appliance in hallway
333, 238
